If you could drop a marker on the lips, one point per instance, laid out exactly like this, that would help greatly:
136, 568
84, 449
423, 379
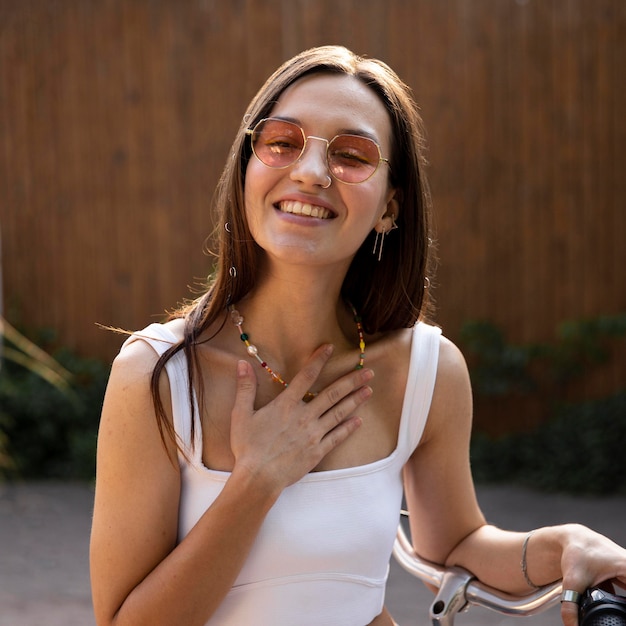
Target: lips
304, 208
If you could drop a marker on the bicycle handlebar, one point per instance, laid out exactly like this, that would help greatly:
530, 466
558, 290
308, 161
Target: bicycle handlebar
458, 588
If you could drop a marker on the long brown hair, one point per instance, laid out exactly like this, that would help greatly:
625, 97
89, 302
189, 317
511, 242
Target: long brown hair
389, 294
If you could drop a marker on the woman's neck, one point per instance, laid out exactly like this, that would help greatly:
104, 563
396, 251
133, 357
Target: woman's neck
288, 316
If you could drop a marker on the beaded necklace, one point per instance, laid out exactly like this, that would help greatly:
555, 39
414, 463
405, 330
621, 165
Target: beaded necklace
237, 320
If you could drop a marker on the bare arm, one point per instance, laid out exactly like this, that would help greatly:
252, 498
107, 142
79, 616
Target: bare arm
139, 574
448, 526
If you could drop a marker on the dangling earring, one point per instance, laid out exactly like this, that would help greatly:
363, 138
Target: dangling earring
380, 234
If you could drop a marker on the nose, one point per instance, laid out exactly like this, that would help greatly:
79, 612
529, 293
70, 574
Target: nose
312, 167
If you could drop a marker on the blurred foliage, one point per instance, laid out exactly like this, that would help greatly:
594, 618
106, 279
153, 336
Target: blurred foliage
579, 449
23, 351
499, 368
49, 409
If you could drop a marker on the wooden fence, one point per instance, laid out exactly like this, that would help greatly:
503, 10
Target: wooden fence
116, 117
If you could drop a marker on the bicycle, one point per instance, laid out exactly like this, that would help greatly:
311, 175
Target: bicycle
458, 590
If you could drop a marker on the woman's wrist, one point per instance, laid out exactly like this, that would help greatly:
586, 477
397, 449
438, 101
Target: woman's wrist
543, 553
257, 485
524, 561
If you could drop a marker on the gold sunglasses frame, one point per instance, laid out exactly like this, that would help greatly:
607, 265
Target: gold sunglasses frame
250, 132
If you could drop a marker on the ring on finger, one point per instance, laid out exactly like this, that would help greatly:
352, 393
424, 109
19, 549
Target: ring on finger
569, 595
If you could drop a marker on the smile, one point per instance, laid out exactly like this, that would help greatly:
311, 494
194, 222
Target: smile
303, 208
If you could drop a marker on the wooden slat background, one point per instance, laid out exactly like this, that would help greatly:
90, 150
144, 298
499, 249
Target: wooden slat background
116, 117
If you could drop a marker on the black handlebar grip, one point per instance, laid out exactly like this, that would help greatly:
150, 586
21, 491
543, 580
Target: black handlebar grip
604, 619
601, 608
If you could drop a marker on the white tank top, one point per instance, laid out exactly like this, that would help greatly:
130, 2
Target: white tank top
322, 554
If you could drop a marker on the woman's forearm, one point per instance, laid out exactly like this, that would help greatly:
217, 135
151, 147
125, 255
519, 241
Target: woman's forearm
494, 556
190, 583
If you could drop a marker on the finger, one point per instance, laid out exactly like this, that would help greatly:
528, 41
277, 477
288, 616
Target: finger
306, 377
246, 389
341, 411
339, 434
331, 396
570, 602
569, 613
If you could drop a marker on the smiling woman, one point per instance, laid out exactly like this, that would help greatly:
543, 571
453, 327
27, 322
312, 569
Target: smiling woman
291, 169
233, 496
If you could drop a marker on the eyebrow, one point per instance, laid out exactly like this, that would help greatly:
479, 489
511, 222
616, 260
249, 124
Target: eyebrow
342, 131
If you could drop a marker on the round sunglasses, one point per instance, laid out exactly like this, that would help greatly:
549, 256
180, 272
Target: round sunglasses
351, 159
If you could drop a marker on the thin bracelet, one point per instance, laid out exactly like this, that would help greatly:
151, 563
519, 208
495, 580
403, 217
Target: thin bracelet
523, 564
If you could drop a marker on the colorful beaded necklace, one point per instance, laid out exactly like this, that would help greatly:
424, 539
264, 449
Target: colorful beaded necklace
237, 320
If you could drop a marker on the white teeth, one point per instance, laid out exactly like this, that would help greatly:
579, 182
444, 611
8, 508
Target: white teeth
304, 208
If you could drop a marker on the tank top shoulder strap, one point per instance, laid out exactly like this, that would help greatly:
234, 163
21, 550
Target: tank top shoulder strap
161, 338
419, 387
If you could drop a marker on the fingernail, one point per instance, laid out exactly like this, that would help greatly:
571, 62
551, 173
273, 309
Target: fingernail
367, 374
365, 392
329, 349
242, 369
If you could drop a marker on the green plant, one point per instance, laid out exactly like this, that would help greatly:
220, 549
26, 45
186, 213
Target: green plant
580, 450
582, 344
49, 429
499, 368
579, 447
23, 351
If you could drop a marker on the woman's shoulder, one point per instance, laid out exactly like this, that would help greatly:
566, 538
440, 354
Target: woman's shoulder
399, 343
451, 403
171, 331
451, 364
138, 353
402, 345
